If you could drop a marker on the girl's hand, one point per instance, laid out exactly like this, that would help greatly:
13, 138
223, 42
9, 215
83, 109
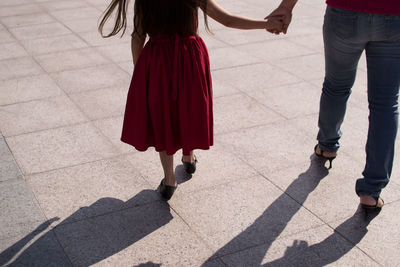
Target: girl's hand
275, 24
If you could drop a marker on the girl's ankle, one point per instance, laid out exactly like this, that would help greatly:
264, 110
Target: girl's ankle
188, 158
171, 181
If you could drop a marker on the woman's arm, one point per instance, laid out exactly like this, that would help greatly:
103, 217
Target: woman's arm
137, 43
219, 14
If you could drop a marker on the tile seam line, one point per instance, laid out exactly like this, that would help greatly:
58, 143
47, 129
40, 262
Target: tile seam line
89, 121
264, 243
34, 59
249, 127
87, 43
273, 60
23, 4
20, 170
196, 234
209, 188
318, 217
53, 128
322, 223
27, 13
20, 15
284, 192
44, 215
308, 35
35, 25
75, 104
105, 214
20, 176
265, 106
35, 197
259, 125
28, 175
274, 64
354, 244
109, 63
238, 66
46, 97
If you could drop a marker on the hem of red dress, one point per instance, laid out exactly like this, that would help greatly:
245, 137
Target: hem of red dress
168, 152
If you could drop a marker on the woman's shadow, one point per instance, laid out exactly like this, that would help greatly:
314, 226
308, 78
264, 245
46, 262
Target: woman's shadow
331, 248
270, 225
91, 240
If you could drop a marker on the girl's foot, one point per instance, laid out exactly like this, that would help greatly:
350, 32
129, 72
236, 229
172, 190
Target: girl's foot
190, 167
170, 181
189, 162
166, 191
189, 158
369, 202
167, 162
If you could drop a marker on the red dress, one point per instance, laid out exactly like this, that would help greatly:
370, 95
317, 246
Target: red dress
169, 104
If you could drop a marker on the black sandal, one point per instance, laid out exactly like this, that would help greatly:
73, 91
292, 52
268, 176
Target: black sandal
322, 155
167, 191
190, 167
373, 207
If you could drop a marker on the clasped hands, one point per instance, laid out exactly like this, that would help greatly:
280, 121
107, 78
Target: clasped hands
278, 20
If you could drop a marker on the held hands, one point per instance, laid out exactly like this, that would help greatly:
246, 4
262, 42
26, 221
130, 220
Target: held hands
275, 24
282, 13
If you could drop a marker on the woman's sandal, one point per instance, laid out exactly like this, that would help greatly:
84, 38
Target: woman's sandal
190, 167
373, 207
166, 191
322, 155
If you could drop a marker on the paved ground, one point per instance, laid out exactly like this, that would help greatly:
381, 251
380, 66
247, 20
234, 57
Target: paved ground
71, 194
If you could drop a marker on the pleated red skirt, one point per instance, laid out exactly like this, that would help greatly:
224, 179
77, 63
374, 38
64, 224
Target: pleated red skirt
169, 104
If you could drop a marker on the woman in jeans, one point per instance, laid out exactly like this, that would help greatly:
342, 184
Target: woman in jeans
351, 27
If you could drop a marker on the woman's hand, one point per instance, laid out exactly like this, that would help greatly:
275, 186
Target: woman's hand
285, 13
275, 24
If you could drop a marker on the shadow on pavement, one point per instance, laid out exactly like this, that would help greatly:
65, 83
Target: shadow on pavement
266, 228
327, 251
90, 240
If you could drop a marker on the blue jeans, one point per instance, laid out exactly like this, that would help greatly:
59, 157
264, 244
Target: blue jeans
346, 35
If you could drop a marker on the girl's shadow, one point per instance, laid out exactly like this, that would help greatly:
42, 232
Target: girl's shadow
91, 240
181, 175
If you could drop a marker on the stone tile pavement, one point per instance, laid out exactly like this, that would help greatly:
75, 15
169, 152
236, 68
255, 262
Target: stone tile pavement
71, 194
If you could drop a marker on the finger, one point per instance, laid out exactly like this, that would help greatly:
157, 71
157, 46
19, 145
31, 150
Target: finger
284, 28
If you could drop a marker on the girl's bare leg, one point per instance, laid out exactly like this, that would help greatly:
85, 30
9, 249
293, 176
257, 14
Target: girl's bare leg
167, 162
189, 158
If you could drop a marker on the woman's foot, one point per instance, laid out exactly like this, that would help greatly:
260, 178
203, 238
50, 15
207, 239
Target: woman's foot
320, 153
330, 156
369, 202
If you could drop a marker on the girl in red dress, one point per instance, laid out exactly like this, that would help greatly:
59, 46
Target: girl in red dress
169, 104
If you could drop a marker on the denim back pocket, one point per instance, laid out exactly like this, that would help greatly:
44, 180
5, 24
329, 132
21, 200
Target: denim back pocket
344, 22
392, 27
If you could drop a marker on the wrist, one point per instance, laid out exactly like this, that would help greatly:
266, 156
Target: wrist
288, 4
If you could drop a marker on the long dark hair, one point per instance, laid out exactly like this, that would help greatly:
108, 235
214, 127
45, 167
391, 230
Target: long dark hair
156, 17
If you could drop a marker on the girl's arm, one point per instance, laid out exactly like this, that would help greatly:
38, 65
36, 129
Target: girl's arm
138, 36
234, 21
137, 43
